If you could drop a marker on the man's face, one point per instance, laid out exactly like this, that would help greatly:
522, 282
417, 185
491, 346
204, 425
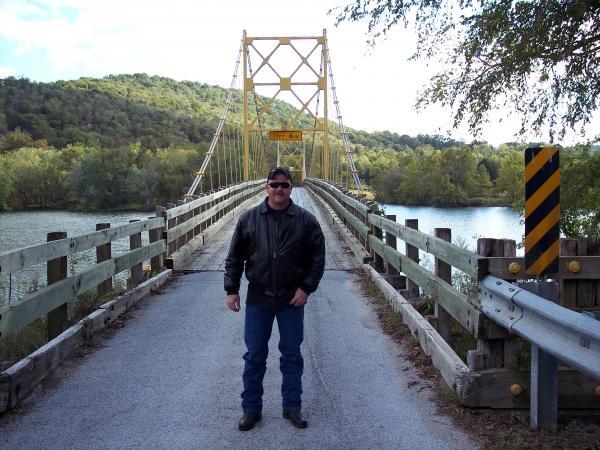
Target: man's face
279, 195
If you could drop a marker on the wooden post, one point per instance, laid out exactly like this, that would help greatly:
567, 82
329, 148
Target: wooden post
586, 294
188, 216
171, 246
495, 346
413, 253
206, 207
103, 253
393, 276
181, 218
365, 220
378, 262
202, 225
568, 288
157, 263
137, 274
196, 230
56, 271
444, 271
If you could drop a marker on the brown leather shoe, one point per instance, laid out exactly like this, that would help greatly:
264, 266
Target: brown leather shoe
248, 421
296, 418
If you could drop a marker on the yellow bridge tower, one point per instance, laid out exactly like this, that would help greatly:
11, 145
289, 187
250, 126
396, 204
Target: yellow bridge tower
292, 69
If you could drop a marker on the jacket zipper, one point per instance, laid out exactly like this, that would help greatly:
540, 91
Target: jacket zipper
275, 247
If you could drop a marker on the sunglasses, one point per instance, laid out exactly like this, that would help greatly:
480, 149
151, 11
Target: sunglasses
281, 184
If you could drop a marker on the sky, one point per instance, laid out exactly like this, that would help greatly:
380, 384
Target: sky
49, 40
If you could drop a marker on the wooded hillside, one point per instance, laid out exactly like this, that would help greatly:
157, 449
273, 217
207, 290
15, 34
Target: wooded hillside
134, 141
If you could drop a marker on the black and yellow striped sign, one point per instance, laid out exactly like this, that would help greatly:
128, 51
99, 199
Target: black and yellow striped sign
542, 210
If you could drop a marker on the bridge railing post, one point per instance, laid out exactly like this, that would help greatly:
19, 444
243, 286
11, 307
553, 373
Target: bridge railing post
56, 271
188, 216
208, 205
393, 276
171, 246
202, 225
412, 252
378, 262
496, 348
443, 320
196, 231
103, 253
181, 218
137, 273
365, 220
345, 221
157, 263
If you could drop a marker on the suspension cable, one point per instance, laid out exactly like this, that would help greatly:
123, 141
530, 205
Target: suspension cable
218, 165
341, 126
208, 155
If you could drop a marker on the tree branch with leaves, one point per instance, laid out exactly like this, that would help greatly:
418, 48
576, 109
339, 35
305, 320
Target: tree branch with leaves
540, 57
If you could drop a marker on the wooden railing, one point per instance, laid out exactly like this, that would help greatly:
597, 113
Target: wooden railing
491, 366
172, 236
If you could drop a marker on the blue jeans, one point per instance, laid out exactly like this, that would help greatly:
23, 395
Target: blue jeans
257, 331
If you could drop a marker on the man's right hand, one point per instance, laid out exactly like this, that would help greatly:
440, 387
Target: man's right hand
233, 302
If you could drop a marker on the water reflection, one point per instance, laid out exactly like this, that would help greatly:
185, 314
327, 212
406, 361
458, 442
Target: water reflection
22, 229
467, 224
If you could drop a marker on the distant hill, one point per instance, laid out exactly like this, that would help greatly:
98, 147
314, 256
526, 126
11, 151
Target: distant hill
158, 112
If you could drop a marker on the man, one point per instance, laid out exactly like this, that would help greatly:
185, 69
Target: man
283, 249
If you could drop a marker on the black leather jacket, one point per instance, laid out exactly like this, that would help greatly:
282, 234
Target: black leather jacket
279, 255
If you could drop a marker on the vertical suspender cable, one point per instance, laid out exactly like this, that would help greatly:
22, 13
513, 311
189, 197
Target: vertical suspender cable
218, 164
225, 152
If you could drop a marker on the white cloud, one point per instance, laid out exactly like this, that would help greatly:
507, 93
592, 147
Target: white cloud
7, 72
199, 41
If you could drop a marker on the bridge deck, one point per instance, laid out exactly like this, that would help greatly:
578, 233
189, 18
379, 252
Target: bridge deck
171, 377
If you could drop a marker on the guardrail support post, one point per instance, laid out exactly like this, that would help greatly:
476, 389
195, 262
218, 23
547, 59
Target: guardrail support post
56, 271
413, 253
137, 273
543, 412
496, 348
103, 253
444, 271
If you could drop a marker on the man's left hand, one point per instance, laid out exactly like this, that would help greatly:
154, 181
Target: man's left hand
300, 298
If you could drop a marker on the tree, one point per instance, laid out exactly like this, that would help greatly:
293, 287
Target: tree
540, 56
510, 177
580, 192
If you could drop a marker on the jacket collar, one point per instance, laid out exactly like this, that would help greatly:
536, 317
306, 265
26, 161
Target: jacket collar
291, 211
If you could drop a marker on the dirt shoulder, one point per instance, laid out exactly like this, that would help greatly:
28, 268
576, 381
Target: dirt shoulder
493, 429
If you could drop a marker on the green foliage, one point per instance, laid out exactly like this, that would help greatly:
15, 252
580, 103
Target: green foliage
542, 57
580, 192
511, 176
136, 141
449, 177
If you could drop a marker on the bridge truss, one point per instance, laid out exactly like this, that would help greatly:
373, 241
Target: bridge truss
297, 134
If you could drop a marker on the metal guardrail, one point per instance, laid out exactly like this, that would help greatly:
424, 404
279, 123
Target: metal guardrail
570, 336
528, 309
